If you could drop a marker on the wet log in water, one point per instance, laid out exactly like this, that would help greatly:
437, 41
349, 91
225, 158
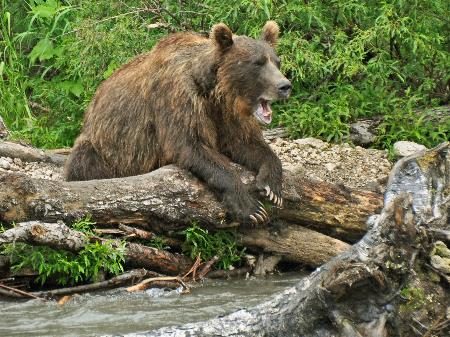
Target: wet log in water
364, 291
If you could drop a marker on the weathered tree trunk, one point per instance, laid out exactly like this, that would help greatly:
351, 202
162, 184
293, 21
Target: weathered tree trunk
169, 198
364, 291
294, 243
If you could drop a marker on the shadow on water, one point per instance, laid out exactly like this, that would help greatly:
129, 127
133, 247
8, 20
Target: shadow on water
118, 312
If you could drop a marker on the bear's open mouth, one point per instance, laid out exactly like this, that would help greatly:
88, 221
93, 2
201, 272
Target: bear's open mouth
263, 111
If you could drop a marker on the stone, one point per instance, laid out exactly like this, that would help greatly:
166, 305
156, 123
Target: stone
404, 148
361, 132
4, 164
313, 142
330, 166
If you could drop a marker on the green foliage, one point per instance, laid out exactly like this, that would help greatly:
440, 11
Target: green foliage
67, 267
85, 225
415, 298
346, 58
158, 242
221, 244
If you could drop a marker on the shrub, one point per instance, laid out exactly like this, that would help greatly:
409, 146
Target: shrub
346, 58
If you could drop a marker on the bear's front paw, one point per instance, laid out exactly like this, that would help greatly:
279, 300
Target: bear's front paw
269, 183
247, 210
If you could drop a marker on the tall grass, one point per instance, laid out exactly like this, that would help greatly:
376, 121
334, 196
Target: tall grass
347, 59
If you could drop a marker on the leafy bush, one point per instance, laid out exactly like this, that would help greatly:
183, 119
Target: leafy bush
199, 242
346, 58
66, 267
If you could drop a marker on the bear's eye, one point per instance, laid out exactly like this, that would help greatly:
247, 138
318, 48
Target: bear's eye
277, 62
260, 62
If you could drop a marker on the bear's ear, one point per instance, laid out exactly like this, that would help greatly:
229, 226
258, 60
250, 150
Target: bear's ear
270, 33
222, 36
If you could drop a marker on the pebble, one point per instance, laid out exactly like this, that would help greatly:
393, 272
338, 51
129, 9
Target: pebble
33, 169
354, 167
4, 163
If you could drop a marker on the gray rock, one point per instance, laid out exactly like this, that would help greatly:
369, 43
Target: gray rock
361, 132
404, 148
313, 142
330, 166
4, 164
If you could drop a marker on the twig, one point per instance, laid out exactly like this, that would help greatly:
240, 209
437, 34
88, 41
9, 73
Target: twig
206, 268
136, 232
9, 293
146, 283
102, 231
21, 292
193, 268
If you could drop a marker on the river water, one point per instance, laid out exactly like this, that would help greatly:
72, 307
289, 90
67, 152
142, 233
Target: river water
117, 312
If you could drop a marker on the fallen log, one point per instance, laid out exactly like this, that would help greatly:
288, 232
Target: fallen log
364, 291
294, 243
59, 236
170, 198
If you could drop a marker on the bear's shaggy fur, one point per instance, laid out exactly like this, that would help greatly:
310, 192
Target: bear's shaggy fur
193, 101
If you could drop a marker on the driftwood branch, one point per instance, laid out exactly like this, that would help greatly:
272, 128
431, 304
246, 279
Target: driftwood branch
128, 277
59, 236
29, 154
357, 293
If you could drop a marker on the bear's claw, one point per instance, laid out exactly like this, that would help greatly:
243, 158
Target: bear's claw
277, 200
260, 216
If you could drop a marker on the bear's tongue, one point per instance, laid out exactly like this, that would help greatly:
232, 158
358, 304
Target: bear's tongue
264, 112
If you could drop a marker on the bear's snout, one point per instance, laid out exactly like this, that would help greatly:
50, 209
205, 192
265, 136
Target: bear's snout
284, 89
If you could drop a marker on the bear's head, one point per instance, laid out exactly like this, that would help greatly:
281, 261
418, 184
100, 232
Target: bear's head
248, 73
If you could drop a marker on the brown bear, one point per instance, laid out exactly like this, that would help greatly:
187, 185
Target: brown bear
193, 101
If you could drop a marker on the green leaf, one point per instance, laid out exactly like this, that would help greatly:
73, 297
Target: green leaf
47, 10
43, 50
73, 87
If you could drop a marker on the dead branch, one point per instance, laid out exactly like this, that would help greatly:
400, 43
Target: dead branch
20, 292
158, 280
30, 154
117, 281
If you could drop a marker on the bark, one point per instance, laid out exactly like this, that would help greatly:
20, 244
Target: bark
59, 236
169, 199
359, 293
